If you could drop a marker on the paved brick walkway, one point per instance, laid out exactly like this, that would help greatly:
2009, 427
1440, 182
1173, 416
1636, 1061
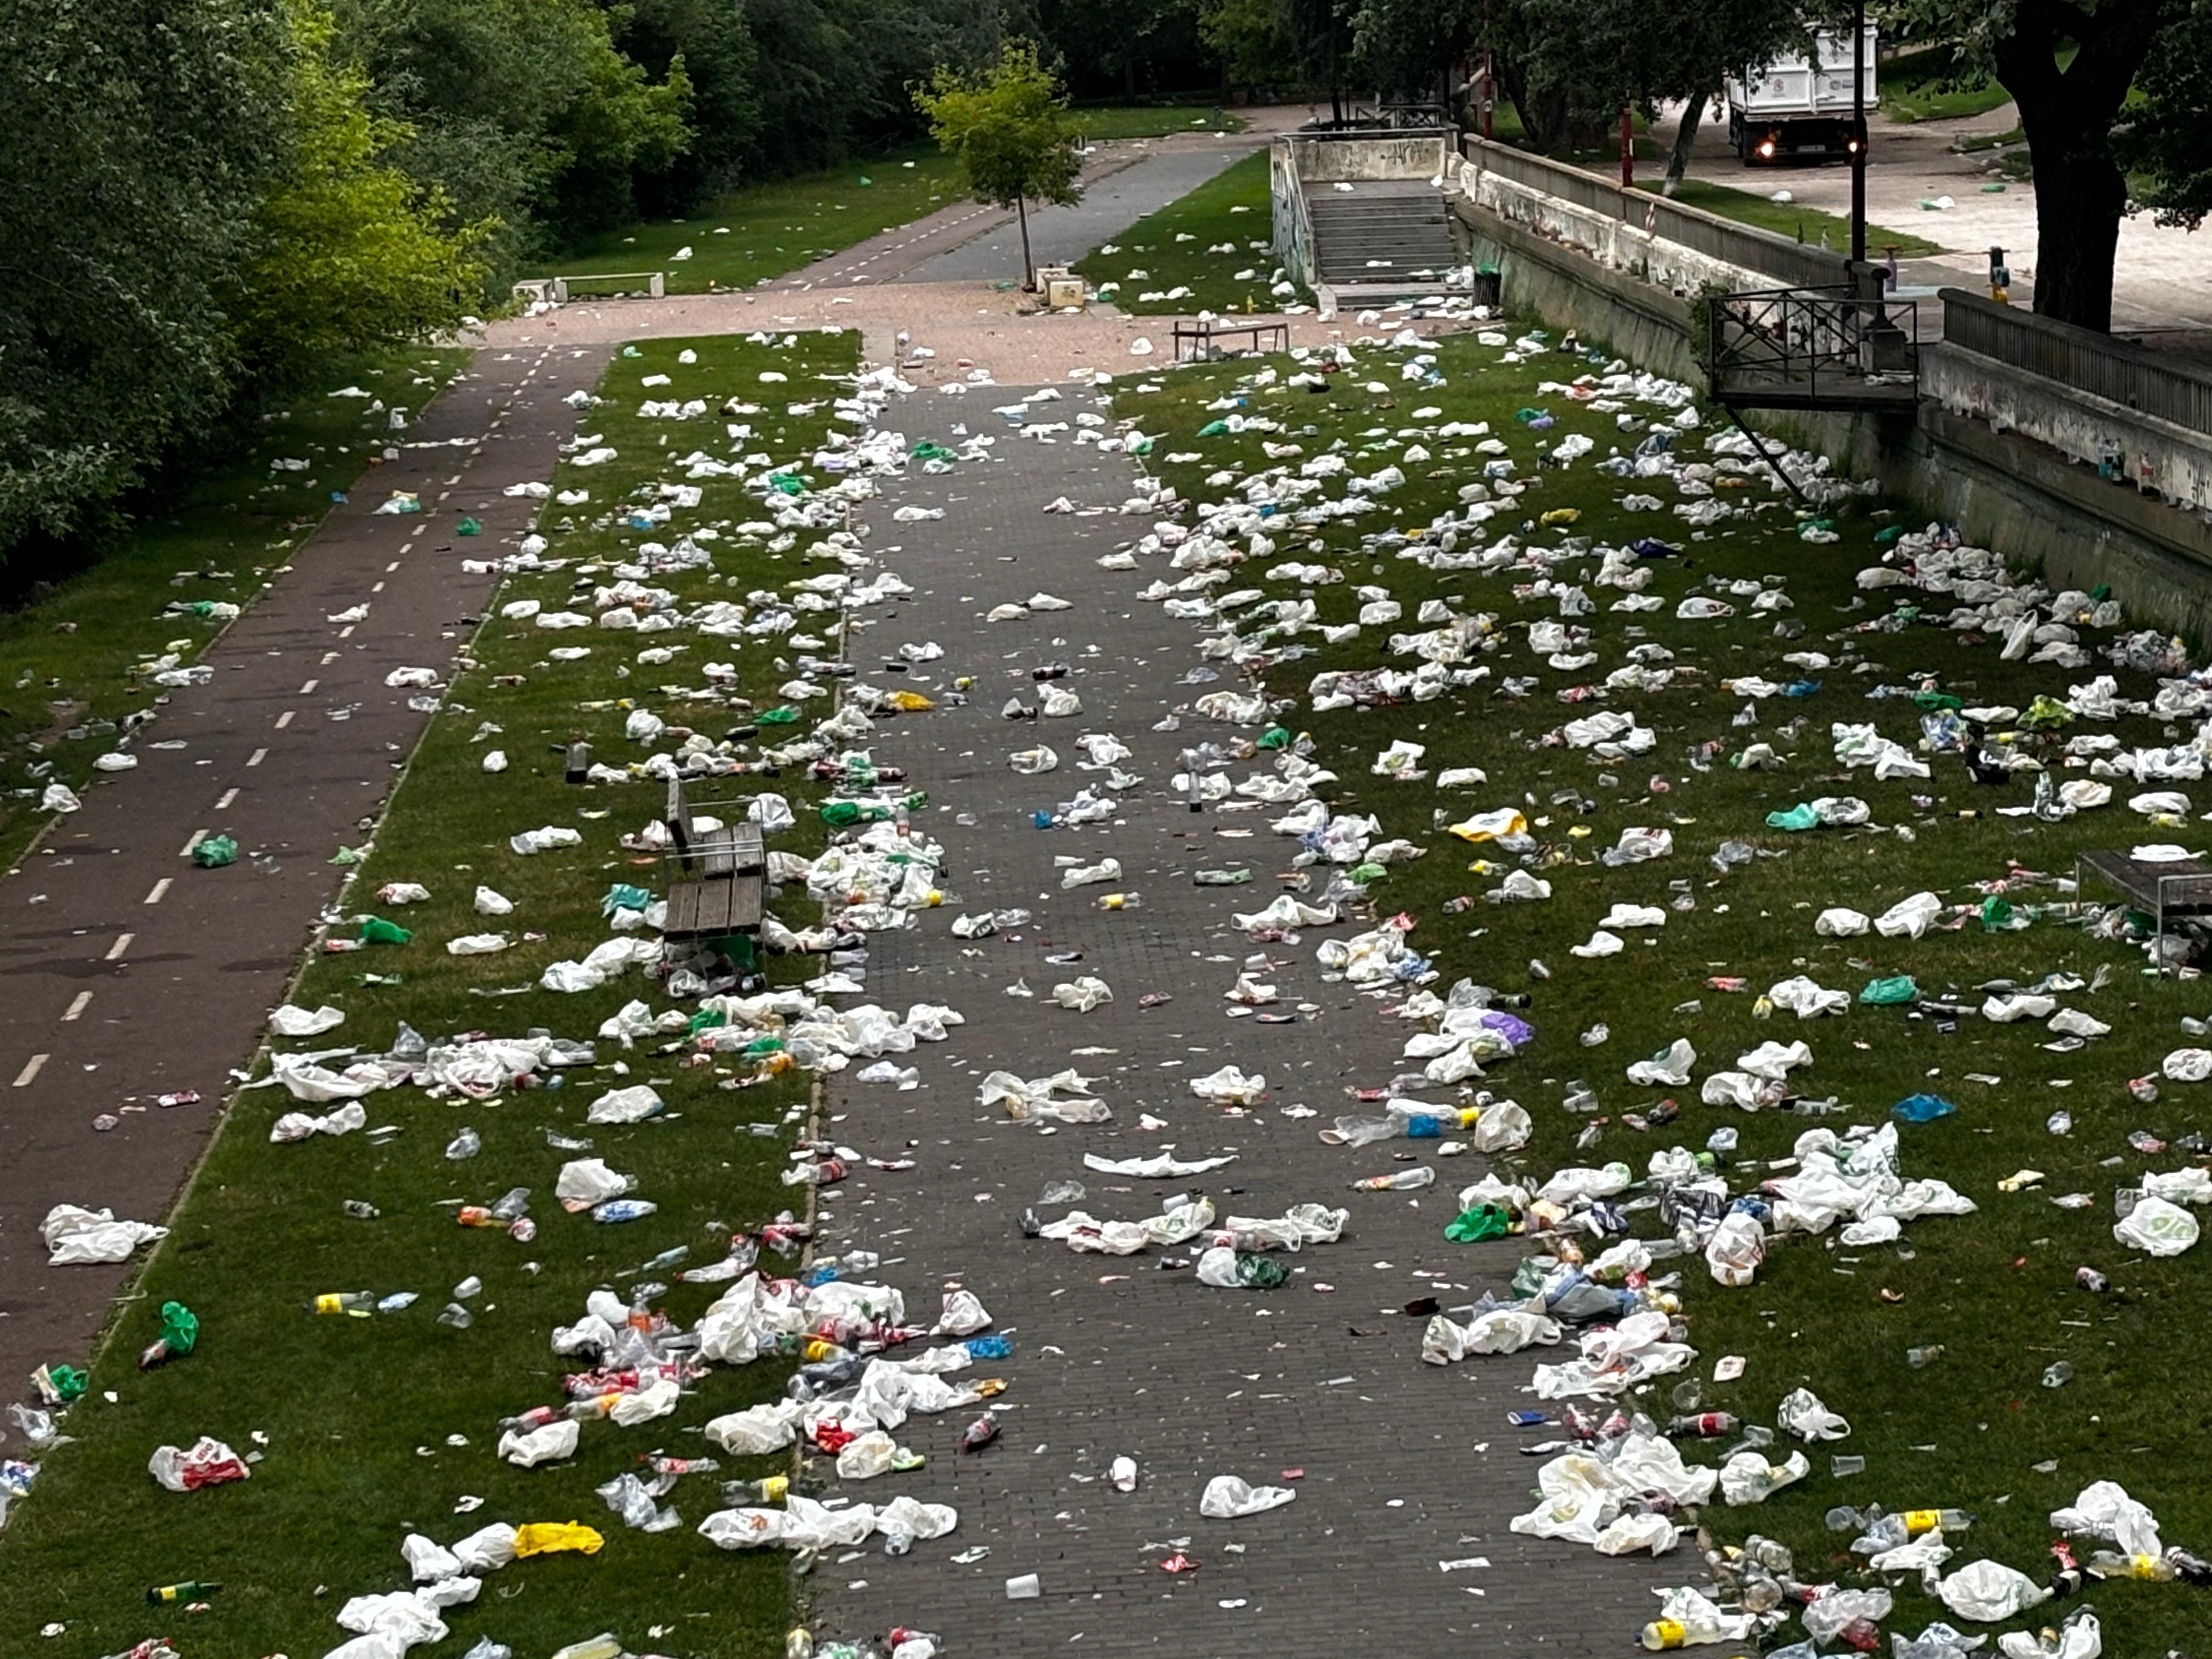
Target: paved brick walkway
1405, 1466
1111, 205
130, 973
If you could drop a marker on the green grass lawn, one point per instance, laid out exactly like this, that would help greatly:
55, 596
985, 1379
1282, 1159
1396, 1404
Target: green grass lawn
762, 231
1208, 251
1912, 89
1995, 1291
1103, 121
1793, 219
67, 652
376, 1427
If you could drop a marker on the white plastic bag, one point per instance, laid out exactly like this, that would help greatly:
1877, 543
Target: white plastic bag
1986, 1591
2157, 1227
1228, 1497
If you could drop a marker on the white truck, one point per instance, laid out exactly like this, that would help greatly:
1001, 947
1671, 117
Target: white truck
1796, 107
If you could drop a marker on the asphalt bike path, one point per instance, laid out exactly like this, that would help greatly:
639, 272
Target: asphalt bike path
129, 973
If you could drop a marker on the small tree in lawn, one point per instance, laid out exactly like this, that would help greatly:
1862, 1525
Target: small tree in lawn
1008, 125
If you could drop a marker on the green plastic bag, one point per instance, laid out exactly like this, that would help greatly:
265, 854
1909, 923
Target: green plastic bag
1361, 874
706, 1019
469, 526
2046, 713
926, 451
623, 896
1887, 992
180, 1327
787, 483
1998, 915
1483, 1221
1930, 701
1213, 428
786, 716
1275, 737
1259, 1272
215, 851
1800, 817
1525, 415
375, 930
67, 1382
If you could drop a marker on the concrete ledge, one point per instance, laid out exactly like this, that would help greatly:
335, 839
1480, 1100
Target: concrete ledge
2003, 489
1647, 325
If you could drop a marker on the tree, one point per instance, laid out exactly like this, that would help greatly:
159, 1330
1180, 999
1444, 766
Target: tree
523, 111
2072, 114
139, 138
2165, 142
350, 250
1008, 125
1250, 38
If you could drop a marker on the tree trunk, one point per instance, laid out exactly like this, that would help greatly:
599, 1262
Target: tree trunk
2067, 116
1686, 138
2079, 199
1028, 270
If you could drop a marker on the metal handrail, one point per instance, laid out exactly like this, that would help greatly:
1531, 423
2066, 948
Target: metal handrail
2119, 370
1807, 335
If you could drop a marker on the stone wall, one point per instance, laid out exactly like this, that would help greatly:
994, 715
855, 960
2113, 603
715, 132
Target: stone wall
2003, 488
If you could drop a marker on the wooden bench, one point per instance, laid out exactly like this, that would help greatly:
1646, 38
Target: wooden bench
715, 879
1200, 337
2183, 888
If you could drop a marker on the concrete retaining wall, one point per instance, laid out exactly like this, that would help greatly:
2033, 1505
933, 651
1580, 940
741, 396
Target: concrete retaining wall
2171, 461
2003, 489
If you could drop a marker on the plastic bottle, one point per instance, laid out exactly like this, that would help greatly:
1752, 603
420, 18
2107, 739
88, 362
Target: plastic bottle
2108, 1564
1222, 878
1117, 902
1705, 1426
1918, 1357
1401, 1180
340, 1302
2057, 1374
189, 1589
1663, 1636
1918, 1521
466, 1144
361, 1209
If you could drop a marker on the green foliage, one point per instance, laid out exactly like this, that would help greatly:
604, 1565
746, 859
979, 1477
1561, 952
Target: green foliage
524, 110
2166, 141
1250, 37
1008, 125
138, 137
349, 252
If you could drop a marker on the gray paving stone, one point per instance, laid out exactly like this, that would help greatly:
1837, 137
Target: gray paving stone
1405, 1465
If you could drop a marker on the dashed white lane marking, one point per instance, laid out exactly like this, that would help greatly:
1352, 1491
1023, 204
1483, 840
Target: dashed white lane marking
30, 1070
75, 1010
257, 757
161, 889
285, 718
199, 835
122, 944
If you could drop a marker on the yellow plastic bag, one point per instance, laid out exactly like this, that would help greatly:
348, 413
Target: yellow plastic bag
1490, 826
552, 1537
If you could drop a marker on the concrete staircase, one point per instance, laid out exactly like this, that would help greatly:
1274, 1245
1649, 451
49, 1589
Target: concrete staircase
1385, 238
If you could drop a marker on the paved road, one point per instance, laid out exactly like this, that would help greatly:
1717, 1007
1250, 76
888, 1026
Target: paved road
1063, 236
1404, 1465
2164, 278
128, 971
